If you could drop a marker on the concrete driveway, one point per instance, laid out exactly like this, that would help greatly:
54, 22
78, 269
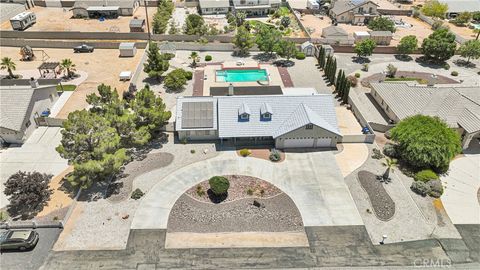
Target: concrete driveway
36, 154
460, 198
312, 180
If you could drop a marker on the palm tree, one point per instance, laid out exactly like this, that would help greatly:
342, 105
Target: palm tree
9, 65
390, 163
68, 66
195, 58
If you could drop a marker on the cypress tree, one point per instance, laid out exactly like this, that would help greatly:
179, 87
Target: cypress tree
322, 58
334, 70
346, 92
337, 81
327, 66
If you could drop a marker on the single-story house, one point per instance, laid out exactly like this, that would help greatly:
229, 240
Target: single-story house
20, 107
357, 12
381, 37
458, 106
456, 7
282, 121
108, 9
208, 7
137, 25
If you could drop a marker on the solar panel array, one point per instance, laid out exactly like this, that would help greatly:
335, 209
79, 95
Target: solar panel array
197, 114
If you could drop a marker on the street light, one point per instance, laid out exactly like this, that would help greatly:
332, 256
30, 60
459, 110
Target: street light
384, 237
146, 15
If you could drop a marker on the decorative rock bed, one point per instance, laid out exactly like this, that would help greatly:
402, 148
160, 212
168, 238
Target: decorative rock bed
382, 204
241, 187
409, 74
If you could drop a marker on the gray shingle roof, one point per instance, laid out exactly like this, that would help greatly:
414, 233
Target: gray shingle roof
108, 3
380, 33
469, 121
334, 31
448, 103
14, 104
342, 6
315, 109
137, 22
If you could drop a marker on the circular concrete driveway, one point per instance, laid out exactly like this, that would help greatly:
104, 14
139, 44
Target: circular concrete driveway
312, 180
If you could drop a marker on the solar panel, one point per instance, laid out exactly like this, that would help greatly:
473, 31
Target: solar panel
197, 114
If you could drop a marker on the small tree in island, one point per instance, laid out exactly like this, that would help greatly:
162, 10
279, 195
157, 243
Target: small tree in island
407, 45
219, 185
470, 50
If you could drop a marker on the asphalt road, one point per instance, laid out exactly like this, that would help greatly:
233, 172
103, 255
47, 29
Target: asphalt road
32, 259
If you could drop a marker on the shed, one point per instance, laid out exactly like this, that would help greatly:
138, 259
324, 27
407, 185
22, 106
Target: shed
381, 37
308, 48
101, 11
127, 49
137, 25
360, 35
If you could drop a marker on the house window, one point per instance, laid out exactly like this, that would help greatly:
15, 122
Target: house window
341, 18
370, 10
309, 126
28, 123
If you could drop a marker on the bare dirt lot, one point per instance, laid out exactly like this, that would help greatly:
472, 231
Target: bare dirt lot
419, 29
315, 24
102, 66
57, 19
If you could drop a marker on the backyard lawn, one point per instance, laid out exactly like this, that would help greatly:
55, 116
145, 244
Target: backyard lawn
66, 87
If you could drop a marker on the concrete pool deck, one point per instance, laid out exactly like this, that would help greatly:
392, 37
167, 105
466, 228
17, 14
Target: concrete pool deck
210, 76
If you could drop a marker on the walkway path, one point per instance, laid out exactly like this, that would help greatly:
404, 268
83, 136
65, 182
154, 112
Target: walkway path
286, 79
352, 157
312, 180
198, 82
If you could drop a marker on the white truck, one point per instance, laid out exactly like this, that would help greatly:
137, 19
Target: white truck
23, 20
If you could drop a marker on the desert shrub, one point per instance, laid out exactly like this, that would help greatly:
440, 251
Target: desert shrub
353, 80
357, 75
200, 191
249, 191
192, 151
420, 188
300, 56
425, 176
245, 152
436, 188
377, 154
274, 155
208, 58
437, 25
188, 75
388, 134
390, 150
446, 66
137, 194
219, 185
454, 73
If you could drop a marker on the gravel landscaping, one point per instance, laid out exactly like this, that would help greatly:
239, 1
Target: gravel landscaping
277, 214
382, 204
424, 76
241, 187
121, 188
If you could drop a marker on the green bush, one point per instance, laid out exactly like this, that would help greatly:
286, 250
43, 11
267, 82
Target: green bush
137, 194
208, 58
192, 151
454, 73
446, 66
275, 155
300, 56
420, 188
425, 176
188, 75
200, 191
219, 185
245, 152
436, 188
353, 80
249, 192
377, 154
390, 150
357, 75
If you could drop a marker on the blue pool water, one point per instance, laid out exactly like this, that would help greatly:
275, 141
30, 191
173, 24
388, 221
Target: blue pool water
241, 75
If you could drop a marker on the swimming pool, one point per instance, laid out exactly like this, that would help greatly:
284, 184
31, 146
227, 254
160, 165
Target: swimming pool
241, 75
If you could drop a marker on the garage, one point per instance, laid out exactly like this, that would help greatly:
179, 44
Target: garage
299, 143
324, 142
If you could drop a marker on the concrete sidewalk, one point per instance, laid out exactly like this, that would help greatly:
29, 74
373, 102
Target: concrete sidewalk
312, 180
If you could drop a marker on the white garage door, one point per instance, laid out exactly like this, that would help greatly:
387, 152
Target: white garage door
298, 143
324, 142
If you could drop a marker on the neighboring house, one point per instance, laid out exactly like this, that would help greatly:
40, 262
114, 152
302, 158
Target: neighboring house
357, 12
20, 106
112, 8
208, 7
293, 121
456, 7
459, 106
256, 7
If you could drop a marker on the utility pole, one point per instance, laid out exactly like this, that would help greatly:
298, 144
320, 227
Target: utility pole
148, 24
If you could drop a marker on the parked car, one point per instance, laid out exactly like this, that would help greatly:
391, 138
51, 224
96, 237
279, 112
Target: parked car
18, 239
83, 48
